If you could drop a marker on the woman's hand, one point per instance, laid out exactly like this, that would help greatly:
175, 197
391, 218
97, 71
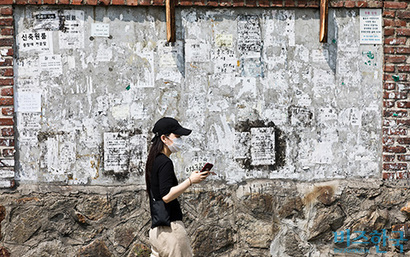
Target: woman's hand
197, 177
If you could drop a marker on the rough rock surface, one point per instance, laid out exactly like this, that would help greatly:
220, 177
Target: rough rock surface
256, 218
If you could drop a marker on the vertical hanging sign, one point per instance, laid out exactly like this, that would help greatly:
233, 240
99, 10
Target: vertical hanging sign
263, 146
72, 33
115, 152
371, 26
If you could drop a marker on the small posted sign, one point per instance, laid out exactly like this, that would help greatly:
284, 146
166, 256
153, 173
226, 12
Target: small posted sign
371, 26
100, 29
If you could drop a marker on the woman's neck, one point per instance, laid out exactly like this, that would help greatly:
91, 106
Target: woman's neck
166, 151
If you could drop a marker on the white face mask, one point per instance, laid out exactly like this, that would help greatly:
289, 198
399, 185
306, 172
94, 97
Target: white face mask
177, 145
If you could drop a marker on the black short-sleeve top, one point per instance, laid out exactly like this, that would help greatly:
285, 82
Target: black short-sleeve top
162, 179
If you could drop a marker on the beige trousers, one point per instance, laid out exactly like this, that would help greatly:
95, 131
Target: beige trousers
170, 241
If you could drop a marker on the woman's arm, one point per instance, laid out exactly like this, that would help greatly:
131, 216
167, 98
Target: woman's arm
176, 191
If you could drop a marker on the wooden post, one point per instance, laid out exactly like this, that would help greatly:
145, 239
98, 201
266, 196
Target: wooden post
324, 7
170, 17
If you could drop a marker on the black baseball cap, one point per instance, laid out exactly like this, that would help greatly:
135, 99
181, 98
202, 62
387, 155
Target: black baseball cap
169, 125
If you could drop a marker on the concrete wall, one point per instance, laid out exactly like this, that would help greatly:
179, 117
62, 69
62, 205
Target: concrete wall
265, 99
316, 108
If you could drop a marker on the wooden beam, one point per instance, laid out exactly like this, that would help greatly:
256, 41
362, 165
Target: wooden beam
170, 17
324, 8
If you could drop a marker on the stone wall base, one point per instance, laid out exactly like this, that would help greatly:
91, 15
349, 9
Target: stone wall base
255, 218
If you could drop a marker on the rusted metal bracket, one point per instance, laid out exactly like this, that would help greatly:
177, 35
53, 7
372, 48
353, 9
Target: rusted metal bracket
170, 18
324, 8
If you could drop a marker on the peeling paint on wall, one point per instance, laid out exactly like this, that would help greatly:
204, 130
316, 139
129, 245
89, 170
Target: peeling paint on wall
264, 98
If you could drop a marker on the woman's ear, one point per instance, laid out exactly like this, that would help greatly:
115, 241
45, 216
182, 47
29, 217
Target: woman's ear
163, 138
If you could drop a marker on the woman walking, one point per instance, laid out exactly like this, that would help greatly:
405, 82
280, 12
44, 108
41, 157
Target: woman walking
168, 236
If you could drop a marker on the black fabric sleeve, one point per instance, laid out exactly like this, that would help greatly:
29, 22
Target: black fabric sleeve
166, 178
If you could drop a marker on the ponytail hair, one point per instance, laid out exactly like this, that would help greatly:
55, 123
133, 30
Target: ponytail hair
156, 148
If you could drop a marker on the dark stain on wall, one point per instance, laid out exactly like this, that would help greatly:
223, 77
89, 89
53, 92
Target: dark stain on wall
300, 116
280, 144
137, 168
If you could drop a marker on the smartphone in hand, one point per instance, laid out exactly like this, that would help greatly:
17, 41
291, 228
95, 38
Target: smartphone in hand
207, 168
